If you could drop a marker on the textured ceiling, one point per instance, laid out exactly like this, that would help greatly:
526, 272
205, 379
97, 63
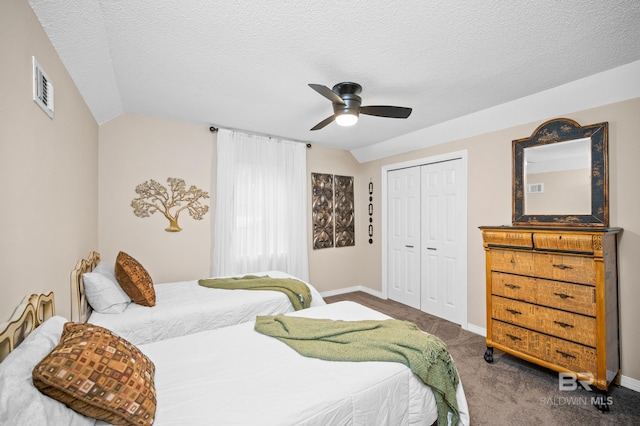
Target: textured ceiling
246, 65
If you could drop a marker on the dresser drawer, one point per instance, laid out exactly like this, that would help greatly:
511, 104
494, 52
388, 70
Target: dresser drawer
511, 336
566, 354
577, 269
512, 261
555, 294
571, 268
510, 238
566, 325
563, 242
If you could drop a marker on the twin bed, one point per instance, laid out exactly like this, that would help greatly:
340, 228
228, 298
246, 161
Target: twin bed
228, 375
181, 308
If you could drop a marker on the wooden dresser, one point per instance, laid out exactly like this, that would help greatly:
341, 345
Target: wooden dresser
552, 298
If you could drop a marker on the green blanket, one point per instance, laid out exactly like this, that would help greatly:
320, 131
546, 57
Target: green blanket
369, 340
297, 291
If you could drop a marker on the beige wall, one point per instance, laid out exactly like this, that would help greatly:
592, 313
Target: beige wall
135, 149
564, 192
337, 268
489, 203
624, 175
48, 168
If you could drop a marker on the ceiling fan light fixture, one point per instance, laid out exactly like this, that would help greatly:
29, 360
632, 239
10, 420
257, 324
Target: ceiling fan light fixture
347, 119
347, 105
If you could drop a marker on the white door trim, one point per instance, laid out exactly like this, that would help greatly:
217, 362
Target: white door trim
462, 155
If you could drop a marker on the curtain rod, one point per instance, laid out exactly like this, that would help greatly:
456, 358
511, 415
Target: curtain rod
214, 129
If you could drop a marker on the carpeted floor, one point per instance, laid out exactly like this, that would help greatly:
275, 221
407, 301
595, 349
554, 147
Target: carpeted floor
510, 391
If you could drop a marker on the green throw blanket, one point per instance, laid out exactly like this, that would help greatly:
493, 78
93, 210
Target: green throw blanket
297, 291
369, 340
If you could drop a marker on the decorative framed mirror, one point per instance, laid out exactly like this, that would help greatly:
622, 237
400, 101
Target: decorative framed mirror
560, 175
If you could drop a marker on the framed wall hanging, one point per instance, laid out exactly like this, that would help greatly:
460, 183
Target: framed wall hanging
322, 210
344, 211
333, 213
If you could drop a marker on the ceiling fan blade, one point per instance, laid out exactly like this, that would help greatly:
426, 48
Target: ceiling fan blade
386, 111
323, 123
327, 93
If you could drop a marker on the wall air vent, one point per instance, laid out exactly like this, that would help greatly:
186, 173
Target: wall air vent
535, 188
42, 89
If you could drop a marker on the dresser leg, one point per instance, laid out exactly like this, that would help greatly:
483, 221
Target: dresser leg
601, 401
488, 355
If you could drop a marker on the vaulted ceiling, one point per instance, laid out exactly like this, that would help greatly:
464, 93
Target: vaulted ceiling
247, 65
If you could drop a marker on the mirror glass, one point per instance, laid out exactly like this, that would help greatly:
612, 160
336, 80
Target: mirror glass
557, 178
560, 175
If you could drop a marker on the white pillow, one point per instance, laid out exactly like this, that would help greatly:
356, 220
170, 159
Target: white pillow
103, 292
21, 403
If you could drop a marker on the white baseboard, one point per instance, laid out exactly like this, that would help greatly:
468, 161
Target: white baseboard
351, 290
630, 383
477, 329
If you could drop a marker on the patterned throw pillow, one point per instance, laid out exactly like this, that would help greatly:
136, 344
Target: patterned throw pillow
135, 280
100, 375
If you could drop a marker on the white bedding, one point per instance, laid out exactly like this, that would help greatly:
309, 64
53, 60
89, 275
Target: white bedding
186, 307
236, 376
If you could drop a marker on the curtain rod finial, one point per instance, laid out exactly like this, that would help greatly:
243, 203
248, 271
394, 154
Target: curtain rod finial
213, 129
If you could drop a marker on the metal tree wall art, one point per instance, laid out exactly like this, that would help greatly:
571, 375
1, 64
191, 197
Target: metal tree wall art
155, 197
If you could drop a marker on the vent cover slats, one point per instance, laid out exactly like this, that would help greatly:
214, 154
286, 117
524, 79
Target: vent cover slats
534, 188
42, 89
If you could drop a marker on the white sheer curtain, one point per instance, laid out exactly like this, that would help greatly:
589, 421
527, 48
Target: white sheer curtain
261, 206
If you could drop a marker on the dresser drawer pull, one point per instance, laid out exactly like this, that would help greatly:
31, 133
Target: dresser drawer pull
512, 286
563, 324
564, 354
514, 312
563, 296
563, 267
512, 337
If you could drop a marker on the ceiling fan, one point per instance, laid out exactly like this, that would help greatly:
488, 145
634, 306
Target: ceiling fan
347, 108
